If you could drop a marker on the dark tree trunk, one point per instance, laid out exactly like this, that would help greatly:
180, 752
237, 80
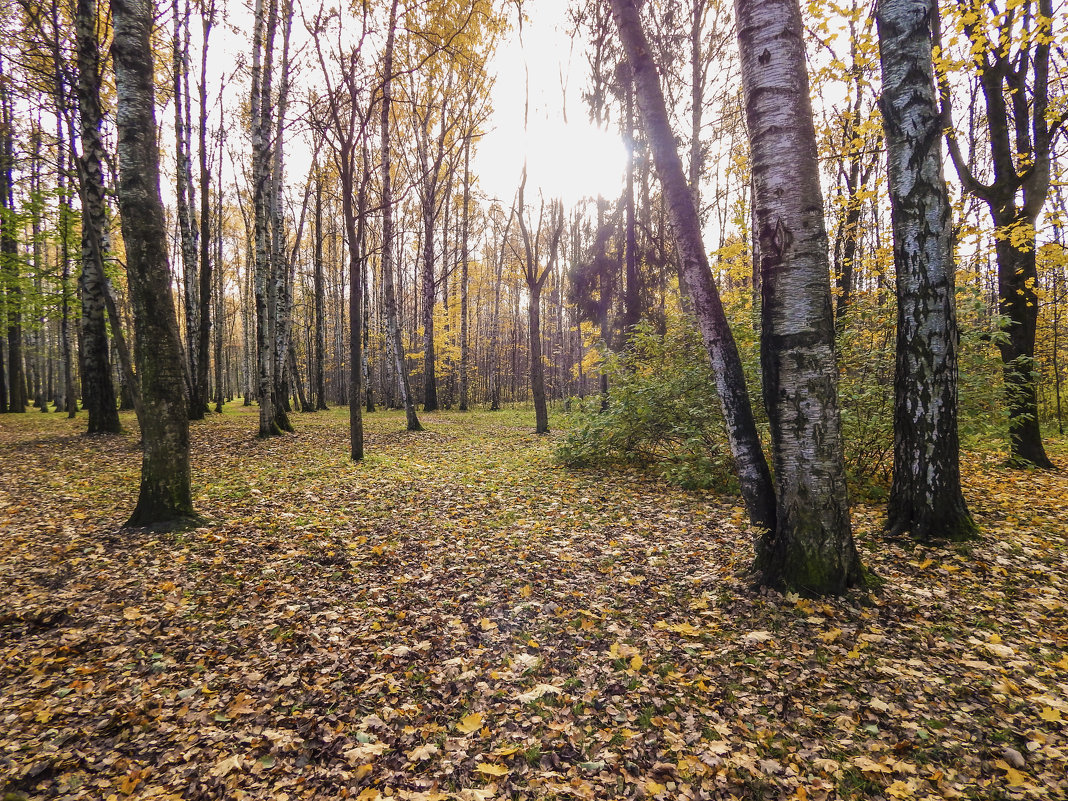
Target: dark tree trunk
1021, 129
165, 493
537, 366
631, 289
465, 347
812, 549
203, 340
9, 260
925, 497
752, 467
1018, 302
98, 392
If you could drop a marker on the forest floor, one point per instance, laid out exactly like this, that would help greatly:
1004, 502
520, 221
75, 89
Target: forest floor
461, 618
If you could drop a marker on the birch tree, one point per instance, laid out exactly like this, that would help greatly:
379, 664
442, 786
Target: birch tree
925, 497
752, 468
811, 549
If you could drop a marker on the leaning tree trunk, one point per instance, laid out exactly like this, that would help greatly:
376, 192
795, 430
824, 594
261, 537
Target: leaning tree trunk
812, 548
752, 467
165, 488
98, 392
925, 497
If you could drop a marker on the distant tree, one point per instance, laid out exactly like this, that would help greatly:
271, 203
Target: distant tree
388, 288
165, 493
537, 266
925, 497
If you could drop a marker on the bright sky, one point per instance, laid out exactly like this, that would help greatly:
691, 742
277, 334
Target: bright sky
567, 160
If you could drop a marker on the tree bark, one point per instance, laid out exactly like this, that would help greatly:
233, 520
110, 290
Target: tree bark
752, 468
98, 392
811, 549
925, 496
165, 493
261, 201
185, 198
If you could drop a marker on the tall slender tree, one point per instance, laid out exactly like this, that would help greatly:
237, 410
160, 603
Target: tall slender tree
9, 250
925, 496
165, 493
98, 392
388, 288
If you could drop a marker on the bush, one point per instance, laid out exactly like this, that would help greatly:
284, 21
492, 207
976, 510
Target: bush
662, 413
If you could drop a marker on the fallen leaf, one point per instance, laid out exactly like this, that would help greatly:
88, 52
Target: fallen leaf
470, 723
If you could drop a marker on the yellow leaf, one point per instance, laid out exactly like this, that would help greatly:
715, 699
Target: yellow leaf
537, 692
831, 636
491, 770
470, 723
526, 591
1050, 714
486, 624
1015, 777
654, 787
636, 663
507, 750
900, 789
926, 563
369, 794
1063, 664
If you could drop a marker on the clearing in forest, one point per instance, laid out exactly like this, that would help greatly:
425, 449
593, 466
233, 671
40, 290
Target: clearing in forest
460, 618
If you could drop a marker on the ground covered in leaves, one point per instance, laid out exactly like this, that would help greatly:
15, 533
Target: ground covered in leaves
460, 618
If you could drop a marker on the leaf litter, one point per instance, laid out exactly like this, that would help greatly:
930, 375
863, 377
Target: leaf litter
460, 618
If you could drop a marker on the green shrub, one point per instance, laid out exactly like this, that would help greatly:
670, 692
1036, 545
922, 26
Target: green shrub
662, 413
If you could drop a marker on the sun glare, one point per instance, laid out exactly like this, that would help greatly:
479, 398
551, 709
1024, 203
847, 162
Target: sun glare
569, 161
